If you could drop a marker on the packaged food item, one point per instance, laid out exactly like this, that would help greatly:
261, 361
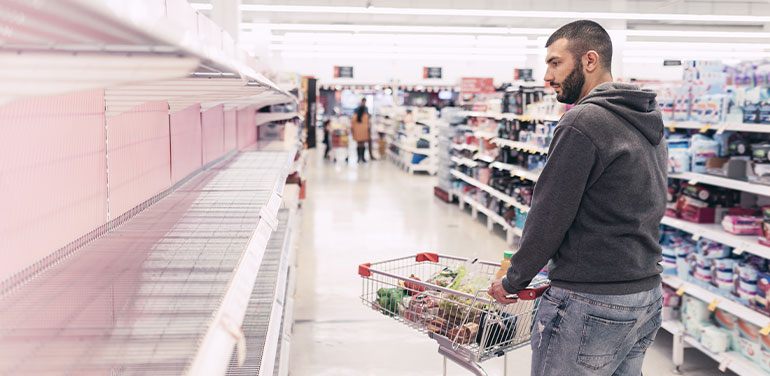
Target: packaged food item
764, 354
695, 313
504, 265
728, 323
748, 340
713, 339
464, 334
742, 225
761, 300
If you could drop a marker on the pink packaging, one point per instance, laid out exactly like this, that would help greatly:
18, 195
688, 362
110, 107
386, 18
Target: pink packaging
742, 225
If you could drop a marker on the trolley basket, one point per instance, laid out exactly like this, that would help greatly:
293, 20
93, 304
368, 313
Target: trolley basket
435, 295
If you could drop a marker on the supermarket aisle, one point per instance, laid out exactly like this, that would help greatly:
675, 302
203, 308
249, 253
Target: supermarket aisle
356, 214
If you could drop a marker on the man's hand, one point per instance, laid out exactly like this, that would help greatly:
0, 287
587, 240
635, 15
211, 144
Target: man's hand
498, 293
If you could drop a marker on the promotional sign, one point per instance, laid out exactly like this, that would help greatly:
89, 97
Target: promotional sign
431, 72
470, 85
523, 74
343, 72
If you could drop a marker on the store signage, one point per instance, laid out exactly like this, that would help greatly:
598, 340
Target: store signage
523, 74
431, 72
470, 85
343, 72
670, 63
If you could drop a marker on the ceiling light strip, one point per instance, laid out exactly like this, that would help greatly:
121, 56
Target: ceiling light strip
503, 13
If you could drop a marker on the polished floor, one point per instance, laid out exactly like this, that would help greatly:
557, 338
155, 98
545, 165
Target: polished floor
372, 212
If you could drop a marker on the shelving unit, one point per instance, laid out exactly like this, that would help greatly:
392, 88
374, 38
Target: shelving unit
483, 158
464, 161
517, 171
531, 148
723, 303
486, 188
719, 127
729, 360
741, 243
264, 118
694, 178
166, 292
492, 217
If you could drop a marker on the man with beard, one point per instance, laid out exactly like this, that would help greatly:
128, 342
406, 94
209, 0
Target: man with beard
595, 216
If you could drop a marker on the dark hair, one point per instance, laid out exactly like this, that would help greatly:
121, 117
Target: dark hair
360, 112
583, 36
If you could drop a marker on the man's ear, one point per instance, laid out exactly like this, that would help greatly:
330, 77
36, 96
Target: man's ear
591, 61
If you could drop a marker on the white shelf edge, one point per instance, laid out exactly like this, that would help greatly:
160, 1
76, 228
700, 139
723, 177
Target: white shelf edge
273, 332
220, 337
518, 171
725, 304
489, 213
738, 127
429, 152
520, 145
264, 118
735, 361
748, 243
719, 181
488, 189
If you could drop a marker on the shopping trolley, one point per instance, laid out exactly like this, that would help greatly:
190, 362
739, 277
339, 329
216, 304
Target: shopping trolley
426, 292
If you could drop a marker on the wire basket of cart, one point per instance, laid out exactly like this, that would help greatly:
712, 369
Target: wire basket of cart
446, 298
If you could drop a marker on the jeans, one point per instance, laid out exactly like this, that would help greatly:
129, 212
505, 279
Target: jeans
586, 334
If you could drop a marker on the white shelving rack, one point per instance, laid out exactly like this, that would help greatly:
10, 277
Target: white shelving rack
182, 271
719, 127
167, 290
719, 181
731, 360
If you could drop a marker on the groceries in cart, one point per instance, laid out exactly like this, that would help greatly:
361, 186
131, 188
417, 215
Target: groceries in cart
449, 300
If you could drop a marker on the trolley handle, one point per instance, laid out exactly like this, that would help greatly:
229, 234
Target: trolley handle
532, 294
527, 294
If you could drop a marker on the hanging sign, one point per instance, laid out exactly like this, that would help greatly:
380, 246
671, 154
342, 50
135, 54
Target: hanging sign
343, 72
470, 85
523, 74
431, 72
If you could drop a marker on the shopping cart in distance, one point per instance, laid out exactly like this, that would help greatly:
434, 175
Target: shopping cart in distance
422, 291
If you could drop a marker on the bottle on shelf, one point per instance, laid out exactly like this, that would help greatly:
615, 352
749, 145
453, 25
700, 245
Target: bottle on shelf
504, 265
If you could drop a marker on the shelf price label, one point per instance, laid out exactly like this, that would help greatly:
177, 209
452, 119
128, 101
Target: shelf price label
705, 128
740, 249
722, 128
724, 363
713, 306
681, 290
765, 331
672, 127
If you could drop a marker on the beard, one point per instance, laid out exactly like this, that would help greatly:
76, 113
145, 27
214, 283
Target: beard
572, 85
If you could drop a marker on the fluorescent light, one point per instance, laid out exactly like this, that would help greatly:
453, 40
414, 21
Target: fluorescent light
403, 56
402, 29
201, 6
695, 34
496, 30
503, 13
329, 48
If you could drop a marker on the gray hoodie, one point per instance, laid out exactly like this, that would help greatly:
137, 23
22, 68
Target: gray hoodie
598, 203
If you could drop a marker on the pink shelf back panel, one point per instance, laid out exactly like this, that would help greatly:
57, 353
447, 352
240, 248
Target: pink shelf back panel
231, 130
139, 155
185, 142
53, 183
213, 125
247, 127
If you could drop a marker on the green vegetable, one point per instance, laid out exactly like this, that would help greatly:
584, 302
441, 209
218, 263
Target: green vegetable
459, 279
389, 299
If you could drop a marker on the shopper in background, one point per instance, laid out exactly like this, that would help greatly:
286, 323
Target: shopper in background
360, 125
595, 215
327, 137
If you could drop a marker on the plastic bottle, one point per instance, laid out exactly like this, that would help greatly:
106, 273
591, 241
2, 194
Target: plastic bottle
504, 265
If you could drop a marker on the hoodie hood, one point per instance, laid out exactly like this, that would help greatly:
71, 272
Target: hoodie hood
635, 105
